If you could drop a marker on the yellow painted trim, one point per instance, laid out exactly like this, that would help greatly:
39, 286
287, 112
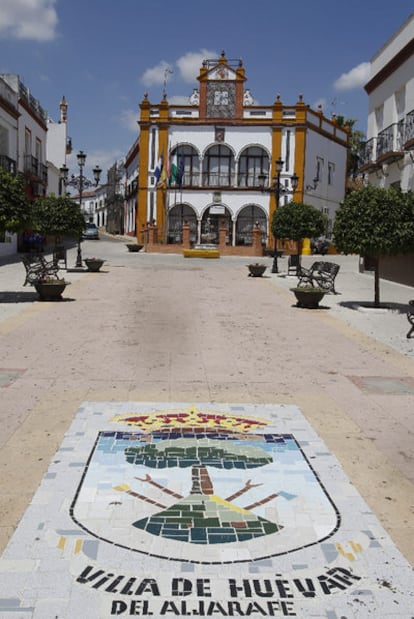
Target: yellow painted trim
161, 205
300, 148
62, 542
142, 194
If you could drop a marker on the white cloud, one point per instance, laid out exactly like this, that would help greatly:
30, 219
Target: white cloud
355, 78
189, 64
129, 120
178, 99
28, 19
157, 75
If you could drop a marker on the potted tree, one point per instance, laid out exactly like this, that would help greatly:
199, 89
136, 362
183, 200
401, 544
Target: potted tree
58, 217
297, 221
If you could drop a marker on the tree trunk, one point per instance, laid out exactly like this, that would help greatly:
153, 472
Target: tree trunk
299, 245
202, 483
377, 281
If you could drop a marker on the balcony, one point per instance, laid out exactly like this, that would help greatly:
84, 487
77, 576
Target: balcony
390, 143
367, 155
387, 147
8, 164
409, 131
34, 169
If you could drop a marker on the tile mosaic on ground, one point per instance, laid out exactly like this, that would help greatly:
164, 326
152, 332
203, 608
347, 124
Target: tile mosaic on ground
207, 510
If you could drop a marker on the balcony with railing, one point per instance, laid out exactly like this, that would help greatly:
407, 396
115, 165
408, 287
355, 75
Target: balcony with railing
409, 131
8, 164
34, 169
367, 155
390, 143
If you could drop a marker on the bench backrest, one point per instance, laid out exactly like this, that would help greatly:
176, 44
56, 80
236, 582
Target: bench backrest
327, 267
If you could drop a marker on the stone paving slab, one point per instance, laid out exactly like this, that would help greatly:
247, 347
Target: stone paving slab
199, 509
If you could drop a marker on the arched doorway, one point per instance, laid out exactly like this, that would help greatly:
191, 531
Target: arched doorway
246, 220
177, 215
210, 224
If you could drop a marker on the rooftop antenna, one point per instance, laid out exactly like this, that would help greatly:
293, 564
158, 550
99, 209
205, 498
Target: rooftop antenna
168, 71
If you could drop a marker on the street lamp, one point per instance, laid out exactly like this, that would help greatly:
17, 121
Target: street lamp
80, 182
277, 189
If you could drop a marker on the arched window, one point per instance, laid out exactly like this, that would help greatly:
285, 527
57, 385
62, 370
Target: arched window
252, 162
246, 220
188, 162
218, 167
177, 215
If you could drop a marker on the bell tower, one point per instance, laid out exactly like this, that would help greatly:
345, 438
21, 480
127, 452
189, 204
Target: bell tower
221, 88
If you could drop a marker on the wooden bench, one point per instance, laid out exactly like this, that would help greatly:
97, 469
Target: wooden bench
36, 267
410, 317
320, 275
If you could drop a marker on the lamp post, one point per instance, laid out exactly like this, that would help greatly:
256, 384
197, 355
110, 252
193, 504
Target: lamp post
277, 189
80, 182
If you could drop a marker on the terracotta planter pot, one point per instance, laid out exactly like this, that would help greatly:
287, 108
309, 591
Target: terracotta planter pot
93, 264
50, 291
308, 298
256, 270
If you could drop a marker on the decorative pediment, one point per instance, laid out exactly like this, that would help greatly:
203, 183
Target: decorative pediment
221, 72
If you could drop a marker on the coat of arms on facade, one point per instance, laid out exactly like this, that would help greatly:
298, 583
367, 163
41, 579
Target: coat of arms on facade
197, 485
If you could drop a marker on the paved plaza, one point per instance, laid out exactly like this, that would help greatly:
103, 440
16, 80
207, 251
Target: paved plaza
179, 439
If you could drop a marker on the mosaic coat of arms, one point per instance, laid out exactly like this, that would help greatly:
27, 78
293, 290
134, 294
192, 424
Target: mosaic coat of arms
204, 487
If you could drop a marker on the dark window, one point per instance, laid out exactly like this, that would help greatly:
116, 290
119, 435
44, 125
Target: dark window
253, 161
218, 167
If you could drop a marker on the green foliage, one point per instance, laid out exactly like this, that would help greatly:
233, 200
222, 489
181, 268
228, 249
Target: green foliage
58, 216
14, 205
208, 452
297, 221
356, 138
376, 222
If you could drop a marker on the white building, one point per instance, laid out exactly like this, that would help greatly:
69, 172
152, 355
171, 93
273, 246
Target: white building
23, 141
223, 142
387, 156
9, 115
59, 145
131, 189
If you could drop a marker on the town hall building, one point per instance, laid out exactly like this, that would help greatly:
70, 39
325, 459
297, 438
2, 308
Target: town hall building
201, 163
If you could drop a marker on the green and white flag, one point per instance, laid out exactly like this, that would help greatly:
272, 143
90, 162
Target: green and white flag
174, 169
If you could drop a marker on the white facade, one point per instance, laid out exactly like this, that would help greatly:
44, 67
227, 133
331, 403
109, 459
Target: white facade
58, 146
8, 150
386, 158
131, 188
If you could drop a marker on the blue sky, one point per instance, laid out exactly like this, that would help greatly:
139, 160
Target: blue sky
103, 55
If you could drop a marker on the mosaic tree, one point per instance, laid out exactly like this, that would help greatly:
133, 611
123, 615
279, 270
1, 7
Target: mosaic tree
202, 517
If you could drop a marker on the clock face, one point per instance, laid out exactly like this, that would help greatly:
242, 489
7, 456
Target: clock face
221, 99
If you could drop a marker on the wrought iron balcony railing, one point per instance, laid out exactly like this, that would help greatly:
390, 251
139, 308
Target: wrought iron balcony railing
8, 164
390, 139
367, 152
409, 129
